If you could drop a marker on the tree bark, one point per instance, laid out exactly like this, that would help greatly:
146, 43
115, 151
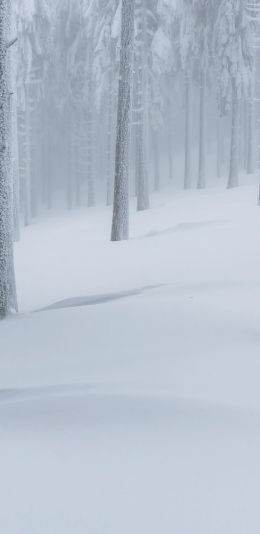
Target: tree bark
90, 129
69, 160
202, 137
27, 176
7, 280
250, 149
13, 141
141, 128
169, 140
219, 147
109, 171
245, 135
76, 157
156, 160
120, 223
187, 172
233, 170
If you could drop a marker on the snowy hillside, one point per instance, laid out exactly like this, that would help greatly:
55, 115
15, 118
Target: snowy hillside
130, 399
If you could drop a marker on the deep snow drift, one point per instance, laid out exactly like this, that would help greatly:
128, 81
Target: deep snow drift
130, 403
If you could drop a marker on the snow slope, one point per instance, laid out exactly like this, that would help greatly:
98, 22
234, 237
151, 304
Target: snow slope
130, 399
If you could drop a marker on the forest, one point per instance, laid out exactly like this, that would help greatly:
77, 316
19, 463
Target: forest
129, 266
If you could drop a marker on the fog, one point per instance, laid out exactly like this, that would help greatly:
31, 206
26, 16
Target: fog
186, 57
129, 266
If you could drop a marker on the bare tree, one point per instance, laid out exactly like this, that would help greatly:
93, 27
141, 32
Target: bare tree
120, 224
7, 280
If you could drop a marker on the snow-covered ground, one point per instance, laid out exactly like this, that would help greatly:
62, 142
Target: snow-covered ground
130, 383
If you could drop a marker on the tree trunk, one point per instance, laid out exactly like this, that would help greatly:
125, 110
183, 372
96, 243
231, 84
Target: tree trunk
142, 176
241, 137
49, 165
245, 135
76, 157
7, 280
169, 140
250, 150
13, 140
69, 162
34, 156
22, 154
233, 170
202, 138
109, 171
141, 128
156, 160
187, 172
90, 148
120, 224
27, 184
90, 129
15, 173
46, 174
170, 157
219, 147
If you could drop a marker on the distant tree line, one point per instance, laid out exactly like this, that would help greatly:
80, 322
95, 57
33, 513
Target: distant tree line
106, 99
